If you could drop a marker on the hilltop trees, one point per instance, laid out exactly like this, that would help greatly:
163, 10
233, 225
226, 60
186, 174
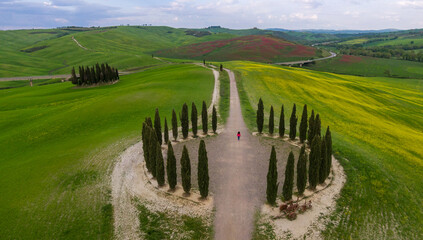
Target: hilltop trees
160, 171
174, 125
314, 159
184, 121
203, 170
302, 171
94, 75
186, 170
317, 126
288, 184
271, 121
282, 123
214, 119
194, 119
303, 125
171, 167
272, 178
260, 116
311, 128
204, 118
152, 152
166, 132
158, 126
293, 123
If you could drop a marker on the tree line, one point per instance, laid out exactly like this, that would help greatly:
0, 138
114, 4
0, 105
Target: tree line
319, 160
94, 75
155, 163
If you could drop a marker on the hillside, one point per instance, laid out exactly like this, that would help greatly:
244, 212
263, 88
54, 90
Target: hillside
258, 48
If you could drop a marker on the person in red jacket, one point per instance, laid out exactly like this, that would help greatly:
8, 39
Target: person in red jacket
238, 135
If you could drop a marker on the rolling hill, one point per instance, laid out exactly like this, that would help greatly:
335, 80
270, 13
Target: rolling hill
260, 48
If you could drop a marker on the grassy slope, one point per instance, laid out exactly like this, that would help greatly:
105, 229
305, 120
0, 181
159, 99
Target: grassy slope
376, 125
58, 146
254, 48
370, 67
123, 47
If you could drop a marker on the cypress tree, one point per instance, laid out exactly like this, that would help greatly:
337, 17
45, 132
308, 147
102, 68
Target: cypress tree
158, 127
214, 120
288, 184
272, 178
171, 167
160, 171
117, 75
103, 72
166, 132
314, 159
74, 79
98, 72
303, 125
311, 128
194, 119
323, 162
260, 116
271, 121
203, 170
204, 118
186, 170
149, 122
184, 121
146, 144
282, 123
87, 76
152, 152
328, 151
302, 171
81, 76
293, 123
317, 126
221, 67
174, 125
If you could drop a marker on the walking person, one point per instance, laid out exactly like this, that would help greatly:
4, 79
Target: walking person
238, 135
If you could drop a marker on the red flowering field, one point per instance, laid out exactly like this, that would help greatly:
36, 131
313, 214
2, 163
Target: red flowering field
350, 59
258, 48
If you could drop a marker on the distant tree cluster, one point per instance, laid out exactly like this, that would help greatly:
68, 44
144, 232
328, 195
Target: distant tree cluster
156, 166
94, 75
320, 158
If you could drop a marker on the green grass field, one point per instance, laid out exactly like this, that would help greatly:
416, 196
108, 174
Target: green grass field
122, 47
58, 146
376, 125
370, 67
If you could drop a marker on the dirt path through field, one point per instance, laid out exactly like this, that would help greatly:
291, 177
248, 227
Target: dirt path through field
237, 195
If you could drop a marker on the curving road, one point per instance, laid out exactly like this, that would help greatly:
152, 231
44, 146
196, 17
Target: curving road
332, 55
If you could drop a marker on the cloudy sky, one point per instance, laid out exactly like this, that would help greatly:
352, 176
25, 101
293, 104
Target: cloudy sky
289, 14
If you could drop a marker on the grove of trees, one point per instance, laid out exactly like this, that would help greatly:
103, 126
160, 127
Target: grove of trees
94, 75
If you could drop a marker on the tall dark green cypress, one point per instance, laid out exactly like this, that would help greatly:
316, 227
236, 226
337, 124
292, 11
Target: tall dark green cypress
203, 170
171, 167
328, 137
282, 123
303, 125
288, 184
146, 143
149, 122
317, 126
293, 123
311, 128
214, 119
271, 121
204, 118
117, 74
184, 121
98, 72
260, 116
194, 119
314, 159
186, 170
323, 162
166, 132
152, 152
158, 127
81, 76
74, 79
160, 171
272, 178
302, 171
174, 125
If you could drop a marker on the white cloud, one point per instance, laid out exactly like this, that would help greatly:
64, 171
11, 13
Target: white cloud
61, 20
302, 16
413, 4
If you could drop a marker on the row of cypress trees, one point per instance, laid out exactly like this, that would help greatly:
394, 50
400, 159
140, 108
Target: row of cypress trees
308, 127
320, 161
155, 164
95, 74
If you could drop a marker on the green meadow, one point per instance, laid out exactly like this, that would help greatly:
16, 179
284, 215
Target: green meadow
59, 144
376, 126
370, 67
